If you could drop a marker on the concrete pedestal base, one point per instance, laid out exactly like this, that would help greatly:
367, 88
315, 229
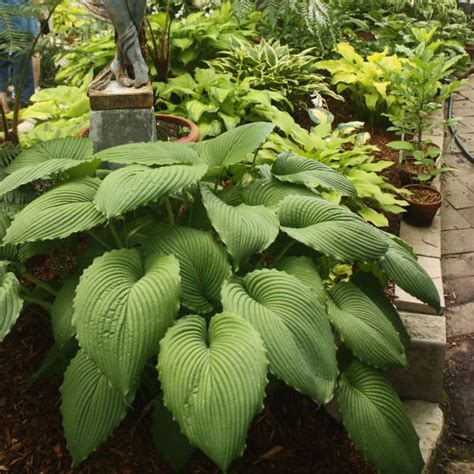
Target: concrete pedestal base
121, 115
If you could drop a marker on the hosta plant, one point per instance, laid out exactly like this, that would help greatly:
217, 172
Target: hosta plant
202, 274
345, 149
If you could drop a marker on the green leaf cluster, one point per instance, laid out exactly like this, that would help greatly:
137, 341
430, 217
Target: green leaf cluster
205, 273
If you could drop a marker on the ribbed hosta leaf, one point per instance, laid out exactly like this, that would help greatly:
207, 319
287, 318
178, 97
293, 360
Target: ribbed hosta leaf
62, 311
7, 252
60, 212
300, 170
364, 329
150, 154
330, 229
203, 262
306, 271
31, 173
293, 325
376, 421
245, 230
233, 146
10, 301
134, 186
91, 408
269, 192
214, 381
122, 309
371, 286
69, 148
402, 267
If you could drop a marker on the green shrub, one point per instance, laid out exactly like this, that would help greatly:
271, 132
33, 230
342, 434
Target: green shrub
216, 287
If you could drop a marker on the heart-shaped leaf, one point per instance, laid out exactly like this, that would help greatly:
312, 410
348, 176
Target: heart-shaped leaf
213, 381
122, 309
10, 301
293, 325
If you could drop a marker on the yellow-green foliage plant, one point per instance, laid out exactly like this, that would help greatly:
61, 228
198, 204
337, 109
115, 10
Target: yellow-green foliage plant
366, 82
345, 149
190, 293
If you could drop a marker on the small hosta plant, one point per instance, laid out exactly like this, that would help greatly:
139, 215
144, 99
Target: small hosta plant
202, 274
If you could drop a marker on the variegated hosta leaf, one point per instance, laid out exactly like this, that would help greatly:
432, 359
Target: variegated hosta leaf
91, 408
28, 174
69, 148
245, 230
401, 266
233, 146
306, 271
300, 170
213, 381
293, 325
269, 192
62, 311
134, 186
330, 229
364, 328
377, 422
150, 154
10, 301
122, 309
60, 212
203, 263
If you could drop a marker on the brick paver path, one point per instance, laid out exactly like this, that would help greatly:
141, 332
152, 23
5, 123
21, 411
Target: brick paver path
458, 272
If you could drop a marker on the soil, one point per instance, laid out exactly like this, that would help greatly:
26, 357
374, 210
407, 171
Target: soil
291, 435
168, 131
423, 196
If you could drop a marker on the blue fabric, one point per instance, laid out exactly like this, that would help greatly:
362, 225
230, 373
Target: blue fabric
14, 65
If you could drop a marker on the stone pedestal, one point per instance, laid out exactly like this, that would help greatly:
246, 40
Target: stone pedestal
121, 115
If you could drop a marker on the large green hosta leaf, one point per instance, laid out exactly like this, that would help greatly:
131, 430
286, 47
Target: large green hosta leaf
306, 271
60, 212
90, 407
62, 311
203, 262
364, 328
213, 381
122, 309
371, 286
376, 421
28, 174
300, 170
150, 154
7, 252
70, 148
269, 192
10, 301
233, 146
402, 267
134, 186
294, 327
330, 229
245, 230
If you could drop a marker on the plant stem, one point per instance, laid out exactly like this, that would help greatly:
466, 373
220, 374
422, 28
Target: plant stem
115, 235
284, 250
31, 299
98, 239
169, 210
40, 284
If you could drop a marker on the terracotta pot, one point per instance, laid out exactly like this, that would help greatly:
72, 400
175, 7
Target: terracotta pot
421, 214
192, 136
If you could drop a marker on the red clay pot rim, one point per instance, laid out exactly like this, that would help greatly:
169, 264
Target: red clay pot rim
192, 136
424, 186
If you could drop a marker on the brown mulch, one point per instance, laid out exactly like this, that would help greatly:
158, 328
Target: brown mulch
291, 435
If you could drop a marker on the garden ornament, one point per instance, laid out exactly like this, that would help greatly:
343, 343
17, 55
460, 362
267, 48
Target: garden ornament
127, 17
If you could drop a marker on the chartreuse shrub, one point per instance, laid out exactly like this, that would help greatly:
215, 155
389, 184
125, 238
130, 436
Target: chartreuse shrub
205, 273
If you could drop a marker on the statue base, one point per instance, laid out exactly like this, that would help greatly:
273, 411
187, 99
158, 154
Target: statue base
121, 115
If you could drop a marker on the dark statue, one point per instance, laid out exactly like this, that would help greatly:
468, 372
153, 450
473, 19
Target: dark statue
127, 17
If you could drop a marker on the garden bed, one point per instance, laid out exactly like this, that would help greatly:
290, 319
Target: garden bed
291, 435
